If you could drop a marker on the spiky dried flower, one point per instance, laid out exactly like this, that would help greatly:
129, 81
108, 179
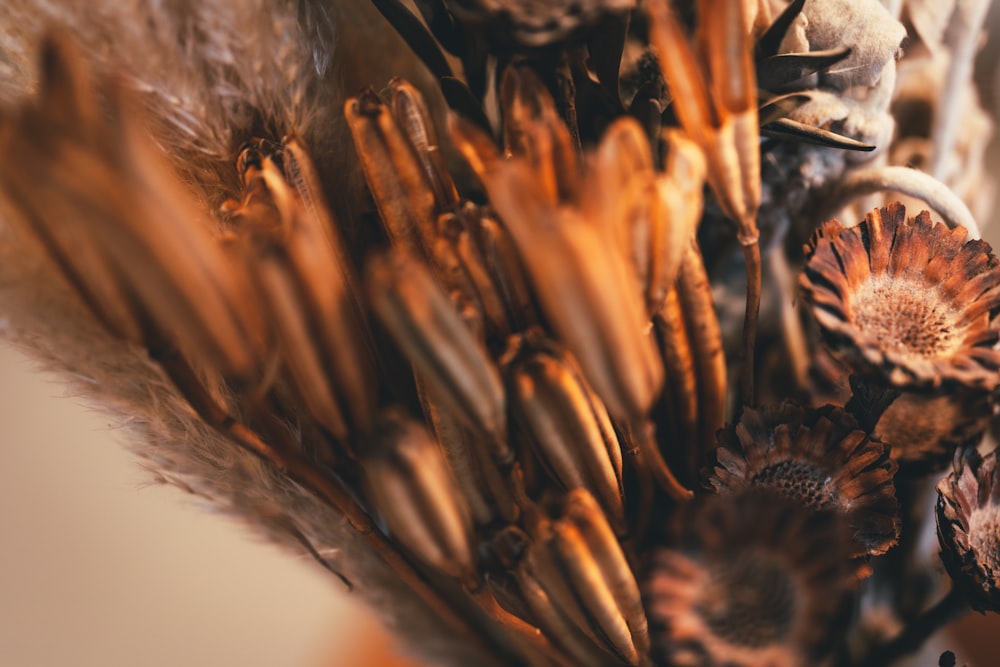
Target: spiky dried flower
968, 518
819, 460
907, 298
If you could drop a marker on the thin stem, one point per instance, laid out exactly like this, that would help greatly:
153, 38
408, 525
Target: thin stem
664, 476
791, 323
542, 652
950, 608
751, 254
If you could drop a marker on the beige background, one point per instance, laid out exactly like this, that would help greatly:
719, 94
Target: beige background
98, 569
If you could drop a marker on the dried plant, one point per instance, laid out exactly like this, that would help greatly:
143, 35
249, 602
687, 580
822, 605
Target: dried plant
469, 339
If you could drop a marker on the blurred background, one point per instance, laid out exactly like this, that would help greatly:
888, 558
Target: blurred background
100, 569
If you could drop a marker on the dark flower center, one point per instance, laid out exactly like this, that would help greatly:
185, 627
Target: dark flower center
799, 481
906, 316
749, 602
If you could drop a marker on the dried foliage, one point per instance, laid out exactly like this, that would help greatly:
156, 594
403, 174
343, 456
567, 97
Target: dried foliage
471, 337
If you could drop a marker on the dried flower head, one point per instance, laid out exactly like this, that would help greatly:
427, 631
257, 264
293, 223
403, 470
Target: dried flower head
924, 430
910, 299
818, 459
752, 579
968, 517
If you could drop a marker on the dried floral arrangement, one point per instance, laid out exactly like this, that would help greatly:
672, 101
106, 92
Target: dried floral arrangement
549, 340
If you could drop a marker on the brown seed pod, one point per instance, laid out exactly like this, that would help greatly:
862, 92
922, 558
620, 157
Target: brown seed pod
412, 488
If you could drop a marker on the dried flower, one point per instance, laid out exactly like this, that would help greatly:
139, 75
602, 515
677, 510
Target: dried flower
819, 460
474, 383
750, 580
924, 430
910, 299
968, 516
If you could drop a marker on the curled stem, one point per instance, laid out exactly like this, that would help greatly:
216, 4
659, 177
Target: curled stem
650, 452
910, 182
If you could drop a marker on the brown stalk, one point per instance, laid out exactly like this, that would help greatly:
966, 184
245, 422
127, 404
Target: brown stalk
751, 255
681, 394
649, 453
705, 336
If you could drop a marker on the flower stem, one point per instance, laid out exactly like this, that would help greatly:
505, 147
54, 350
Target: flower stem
791, 324
950, 608
751, 254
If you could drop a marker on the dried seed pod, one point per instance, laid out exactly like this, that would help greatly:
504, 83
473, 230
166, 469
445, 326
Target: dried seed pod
552, 620
583, 511
403, 192
477, 147
678, 212
451, 274
597, 593
680, 395
475, 471
698, 306
717, 106
502, 261
544, 564
124, 228
302, 177
484, 291
444, 352
414, 118
308, 292
624, 197
560, 560
585, 287
534, 131
566, 423
412, 488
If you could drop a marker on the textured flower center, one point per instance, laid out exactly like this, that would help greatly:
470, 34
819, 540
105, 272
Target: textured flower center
984, 538
904, 315
799, 481
750, 601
